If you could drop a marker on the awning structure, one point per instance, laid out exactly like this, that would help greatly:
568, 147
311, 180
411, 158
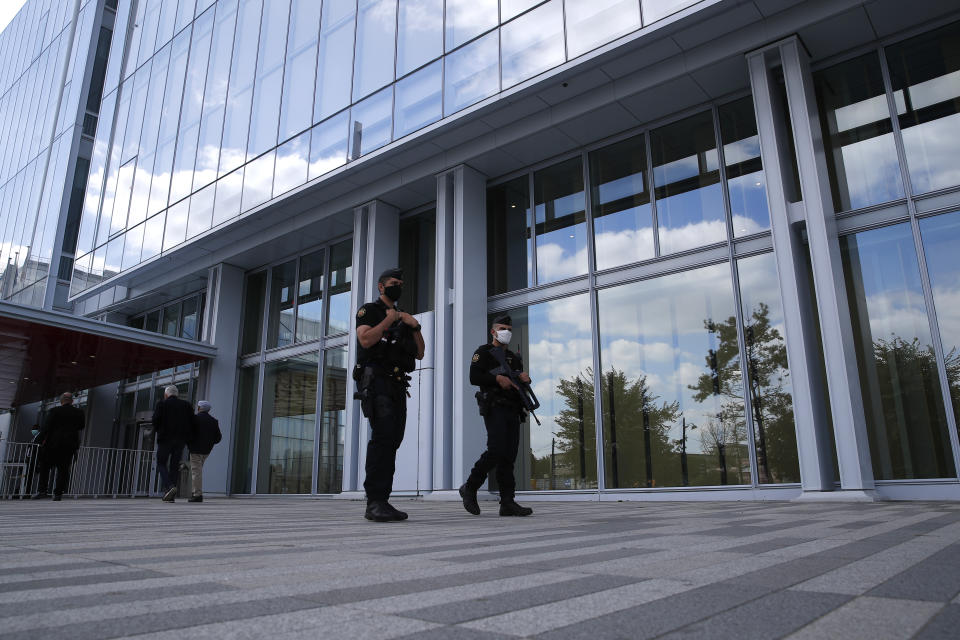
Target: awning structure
44, 353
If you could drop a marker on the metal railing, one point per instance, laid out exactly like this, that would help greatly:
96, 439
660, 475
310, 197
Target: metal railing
96, 472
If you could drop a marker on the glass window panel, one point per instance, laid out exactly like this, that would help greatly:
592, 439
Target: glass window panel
153, 237
687, 184
287, 425
175, 230
554, 340
419, 100
248, 394
280, 324
334, 63
941, 237
170, 325
512, 8
253, 312
189, 327
622, 218
903, 403
472, 73
561, 221
333, 421
152, 322
418, 248
745, 180
184, 15
858, 135
264, 116
420, 38
310, 297
328, 145
654, 10
96, 175
771, 391
376, 33
371, 120
121, 202
925, 75
341, 276
509, 237
591, 24
466, 19
201, 211
672, 405
229, 191
293, 159
138, 100
258, 181
532, 43
131, 247
296, 104
236, 122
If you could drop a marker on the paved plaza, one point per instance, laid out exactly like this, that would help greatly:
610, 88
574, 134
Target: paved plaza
314, 568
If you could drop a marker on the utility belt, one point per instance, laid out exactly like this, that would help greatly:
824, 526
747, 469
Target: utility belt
487, 398
367, 374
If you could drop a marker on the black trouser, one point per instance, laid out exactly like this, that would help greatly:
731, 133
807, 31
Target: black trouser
503, 440
169, 455
60, 459
387, 424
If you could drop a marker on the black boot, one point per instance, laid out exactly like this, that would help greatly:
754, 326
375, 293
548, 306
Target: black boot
469, 497
397, 514
511, 508
379, 511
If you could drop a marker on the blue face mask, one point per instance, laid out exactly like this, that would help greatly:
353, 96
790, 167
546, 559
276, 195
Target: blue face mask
34, 432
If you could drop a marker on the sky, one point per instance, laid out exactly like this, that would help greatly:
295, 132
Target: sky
9, 9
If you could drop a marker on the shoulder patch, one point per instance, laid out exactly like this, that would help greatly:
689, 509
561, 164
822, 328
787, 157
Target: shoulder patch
362, 312
476, 357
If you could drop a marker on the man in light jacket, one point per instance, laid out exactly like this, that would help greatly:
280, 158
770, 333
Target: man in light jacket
204, 434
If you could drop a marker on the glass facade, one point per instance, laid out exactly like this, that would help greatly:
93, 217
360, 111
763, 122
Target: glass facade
217, 111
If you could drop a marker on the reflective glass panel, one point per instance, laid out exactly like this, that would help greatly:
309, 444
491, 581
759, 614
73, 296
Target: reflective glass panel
858, 134
132, 245
175, 230
622, 219
310, 297
509, 237
511, 8
280, 322
296, 108
247, 396
672, 410
376, 32
333, 421
554, 340
153, 237
420, 37
264, 113
334, 64
654, 10
341, 276
532, 43
170, 326
466, 19
418, 249
229, 190
745, 181
371, 120
941, 237
925, 76
561, 221
190, 326
686, 175
419, 99
328, 145
236, 122
472, 73
293, 158
771, 392
258, 181
253, 312
906, 422
591, 24
288, 421
201, 210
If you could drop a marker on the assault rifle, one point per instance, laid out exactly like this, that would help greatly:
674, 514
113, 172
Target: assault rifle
527, 396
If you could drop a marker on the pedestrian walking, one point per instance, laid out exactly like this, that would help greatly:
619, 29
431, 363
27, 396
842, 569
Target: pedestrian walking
204, 434
59, 439
172, 424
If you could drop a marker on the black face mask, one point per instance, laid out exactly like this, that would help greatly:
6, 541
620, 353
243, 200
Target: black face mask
393, 292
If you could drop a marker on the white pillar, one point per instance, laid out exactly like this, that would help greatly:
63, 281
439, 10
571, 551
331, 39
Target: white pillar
841, 369
221, 328
376, 228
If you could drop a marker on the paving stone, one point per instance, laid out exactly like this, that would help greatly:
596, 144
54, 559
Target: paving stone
789, 573
936, 578
943, 626
868, 618
41, 583
767, 545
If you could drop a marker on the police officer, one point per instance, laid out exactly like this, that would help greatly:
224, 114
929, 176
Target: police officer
502, 410
388, 344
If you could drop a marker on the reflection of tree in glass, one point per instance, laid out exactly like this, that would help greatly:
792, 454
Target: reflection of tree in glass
772, 406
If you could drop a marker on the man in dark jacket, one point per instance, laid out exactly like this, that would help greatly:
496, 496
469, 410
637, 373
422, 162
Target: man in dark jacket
205, 434
59, 440
172, 422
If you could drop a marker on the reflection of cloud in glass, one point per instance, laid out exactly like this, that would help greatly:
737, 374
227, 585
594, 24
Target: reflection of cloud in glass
591, 24
870, 172
532, 43
931, 150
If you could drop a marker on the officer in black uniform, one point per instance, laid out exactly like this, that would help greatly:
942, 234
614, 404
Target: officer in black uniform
388, 344
502, 411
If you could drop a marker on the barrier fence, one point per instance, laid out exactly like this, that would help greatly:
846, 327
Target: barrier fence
97, 472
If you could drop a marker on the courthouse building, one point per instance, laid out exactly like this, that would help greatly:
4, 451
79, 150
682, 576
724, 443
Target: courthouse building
727, 232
